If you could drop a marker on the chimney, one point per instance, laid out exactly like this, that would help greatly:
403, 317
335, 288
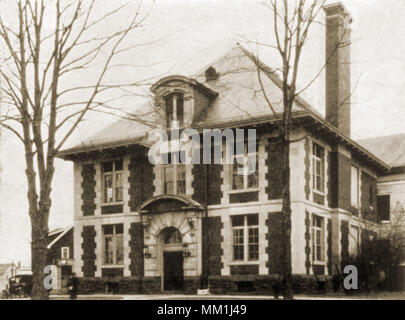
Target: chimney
211, 74
338, 74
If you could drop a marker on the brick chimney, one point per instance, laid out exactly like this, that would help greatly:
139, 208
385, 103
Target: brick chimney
338, 43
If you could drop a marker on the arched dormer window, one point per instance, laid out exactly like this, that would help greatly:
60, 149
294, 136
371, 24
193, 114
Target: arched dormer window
174, 104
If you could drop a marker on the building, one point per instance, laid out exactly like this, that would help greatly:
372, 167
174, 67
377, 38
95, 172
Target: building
390, 194
7, 271
155, 228
60, 257
391, 185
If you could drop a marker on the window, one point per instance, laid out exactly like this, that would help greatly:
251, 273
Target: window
318, 171
247, 180
112, 181
65, 252
168, 179
317, 239
354, 240
383, 207
174, 179
245, 237
174, 104
172, 236
355, 185
113, 244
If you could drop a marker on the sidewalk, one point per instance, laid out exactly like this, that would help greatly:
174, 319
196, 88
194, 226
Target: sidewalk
384, 296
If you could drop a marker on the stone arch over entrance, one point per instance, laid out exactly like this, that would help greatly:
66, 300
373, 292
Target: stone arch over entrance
172, 230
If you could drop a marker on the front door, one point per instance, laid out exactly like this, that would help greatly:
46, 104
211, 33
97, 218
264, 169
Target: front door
173, 270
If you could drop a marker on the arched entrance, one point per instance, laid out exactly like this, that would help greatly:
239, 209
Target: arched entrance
171, 244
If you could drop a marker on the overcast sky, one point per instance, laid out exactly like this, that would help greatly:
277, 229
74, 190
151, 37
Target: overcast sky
192, 34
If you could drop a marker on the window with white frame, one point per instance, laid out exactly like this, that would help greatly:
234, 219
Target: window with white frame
355, 187
174, 104
113, 244
245, 231
112, 181
354, 240
242, 176
174, 179
318, 168
318, 241
65, 252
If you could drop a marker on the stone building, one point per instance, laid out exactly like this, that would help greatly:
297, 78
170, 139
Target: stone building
169, 227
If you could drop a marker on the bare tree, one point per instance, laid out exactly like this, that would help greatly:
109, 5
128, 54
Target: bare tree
292, 21
48, 46
392, 253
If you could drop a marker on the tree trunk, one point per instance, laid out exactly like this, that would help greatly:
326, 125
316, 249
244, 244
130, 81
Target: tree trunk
39, 235
38, 260
286, 220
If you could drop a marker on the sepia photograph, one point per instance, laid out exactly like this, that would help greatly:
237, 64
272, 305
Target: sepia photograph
173, 150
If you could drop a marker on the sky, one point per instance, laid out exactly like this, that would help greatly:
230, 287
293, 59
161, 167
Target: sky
184, 36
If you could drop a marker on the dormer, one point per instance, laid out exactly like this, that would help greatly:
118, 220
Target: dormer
182, 101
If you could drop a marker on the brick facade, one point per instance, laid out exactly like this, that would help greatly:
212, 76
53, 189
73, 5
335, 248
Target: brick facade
340, 176
215, 182
89, 192
212, 246
329, 249
88, 250
140, 180
344, 241
274, 175
274, 221
136, 253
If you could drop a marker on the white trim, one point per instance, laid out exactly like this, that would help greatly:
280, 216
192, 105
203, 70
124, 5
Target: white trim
322, 160
236, 191
388, 183
62, 255
58, 237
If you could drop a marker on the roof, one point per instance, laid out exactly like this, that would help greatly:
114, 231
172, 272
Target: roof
240, 101
390, 149
187, 80
55, 232
240, 93
238, 98
61, 233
